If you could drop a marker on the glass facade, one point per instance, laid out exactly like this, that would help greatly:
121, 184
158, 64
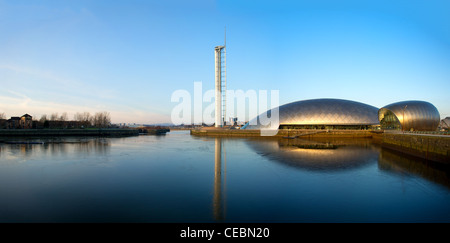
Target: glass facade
390, 121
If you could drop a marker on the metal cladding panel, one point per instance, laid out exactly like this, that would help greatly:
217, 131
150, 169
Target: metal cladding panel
326, 112
418, 115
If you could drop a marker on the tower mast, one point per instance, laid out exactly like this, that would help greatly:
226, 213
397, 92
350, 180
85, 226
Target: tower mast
220, 84
224, 81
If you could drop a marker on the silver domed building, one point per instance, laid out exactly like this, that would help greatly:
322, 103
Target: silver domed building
324, 114
411, 115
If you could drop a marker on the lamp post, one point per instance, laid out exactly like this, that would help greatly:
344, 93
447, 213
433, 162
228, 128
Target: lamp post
403, 117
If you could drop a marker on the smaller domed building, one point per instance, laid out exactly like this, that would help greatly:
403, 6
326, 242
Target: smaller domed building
413, 115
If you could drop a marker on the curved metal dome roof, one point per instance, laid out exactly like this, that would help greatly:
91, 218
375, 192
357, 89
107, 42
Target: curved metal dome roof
413, 114
325, 112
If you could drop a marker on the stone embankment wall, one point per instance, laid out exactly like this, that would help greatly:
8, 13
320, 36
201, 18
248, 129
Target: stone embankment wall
435, 148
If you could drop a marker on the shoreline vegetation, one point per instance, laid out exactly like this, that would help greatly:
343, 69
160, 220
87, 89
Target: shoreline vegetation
82, 124
55, 121
83, 132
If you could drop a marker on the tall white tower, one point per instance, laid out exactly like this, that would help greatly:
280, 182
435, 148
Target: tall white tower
220, 55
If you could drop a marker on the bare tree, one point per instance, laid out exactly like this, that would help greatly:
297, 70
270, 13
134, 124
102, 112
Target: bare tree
63, 117
77, 116
63, 120
106, 119
2, 115
102, 119
88, 118
54, 117
97, 119
85, 118
43, 118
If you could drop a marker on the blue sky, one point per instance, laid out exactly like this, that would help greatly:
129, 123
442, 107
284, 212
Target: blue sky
128, 57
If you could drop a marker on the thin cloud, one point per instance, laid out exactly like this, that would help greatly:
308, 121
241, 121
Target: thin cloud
19, 104
49, 78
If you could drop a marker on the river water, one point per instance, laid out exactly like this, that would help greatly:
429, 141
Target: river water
181, 178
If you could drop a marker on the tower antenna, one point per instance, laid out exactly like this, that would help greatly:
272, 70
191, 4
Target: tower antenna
225, 42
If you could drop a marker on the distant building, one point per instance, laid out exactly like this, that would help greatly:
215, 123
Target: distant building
13, 122
233, 121
26, 121
23, 122
445, 123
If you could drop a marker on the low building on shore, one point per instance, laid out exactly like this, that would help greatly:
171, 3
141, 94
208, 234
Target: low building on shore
324, 114
339, 114
26, 121
15, 122
445, 124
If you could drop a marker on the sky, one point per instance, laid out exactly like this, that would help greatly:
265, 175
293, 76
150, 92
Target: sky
129, 57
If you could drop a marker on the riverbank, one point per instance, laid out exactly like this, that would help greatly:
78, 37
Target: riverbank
68, 132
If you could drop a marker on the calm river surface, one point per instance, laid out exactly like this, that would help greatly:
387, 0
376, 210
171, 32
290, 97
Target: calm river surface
180, 178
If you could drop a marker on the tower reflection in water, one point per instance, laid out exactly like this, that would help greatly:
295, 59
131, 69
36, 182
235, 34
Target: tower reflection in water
321, 156
300, 154
219, 177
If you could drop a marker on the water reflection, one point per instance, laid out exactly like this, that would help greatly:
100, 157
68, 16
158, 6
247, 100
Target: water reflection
173, 179
398, 163
219, 153
318, 155
20, 150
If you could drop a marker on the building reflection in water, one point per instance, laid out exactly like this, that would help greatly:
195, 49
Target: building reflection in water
318, 155
399, 163
219, 179
15, 150
301, 154
342, 154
